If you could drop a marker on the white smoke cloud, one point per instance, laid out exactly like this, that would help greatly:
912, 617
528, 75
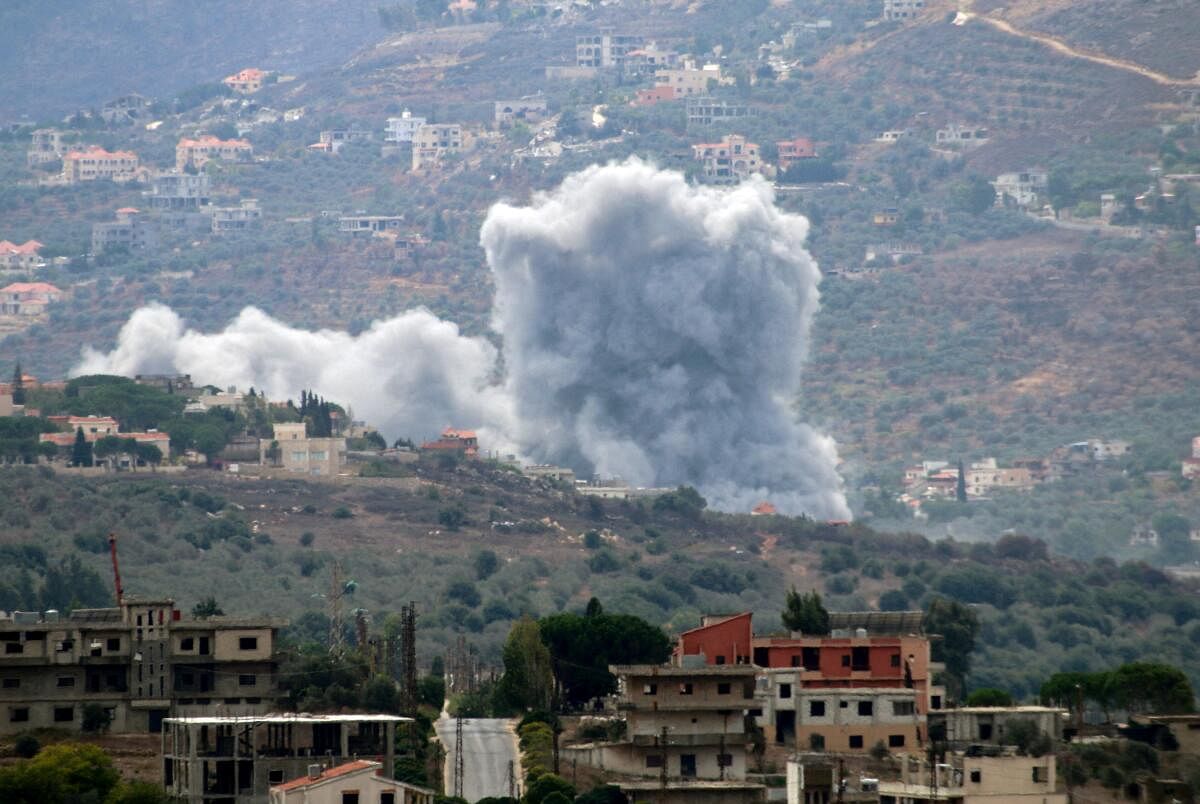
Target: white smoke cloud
650, 329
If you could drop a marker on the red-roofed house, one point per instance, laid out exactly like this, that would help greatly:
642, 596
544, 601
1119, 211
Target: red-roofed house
22, 257
358, 781
453, 440
95, 163
764, 508
649, 97
196, 152
794, 150
248, 81
27, 298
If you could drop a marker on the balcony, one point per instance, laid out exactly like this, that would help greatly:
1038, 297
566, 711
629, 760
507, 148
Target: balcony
690, 740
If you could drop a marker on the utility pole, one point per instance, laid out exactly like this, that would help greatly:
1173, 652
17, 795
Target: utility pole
841, 781
337, 589
408, 649
459, 765
663, 772
512, 781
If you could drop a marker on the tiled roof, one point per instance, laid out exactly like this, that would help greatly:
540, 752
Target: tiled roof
209, 141
30, 287
96, 152
357, 766
28, 247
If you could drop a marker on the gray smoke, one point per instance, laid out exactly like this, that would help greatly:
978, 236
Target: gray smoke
656, 331
651, 330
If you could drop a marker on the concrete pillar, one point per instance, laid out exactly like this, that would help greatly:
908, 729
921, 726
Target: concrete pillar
389, 750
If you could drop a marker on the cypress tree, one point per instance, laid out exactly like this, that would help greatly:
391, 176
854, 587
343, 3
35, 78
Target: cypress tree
18, 386
81, 452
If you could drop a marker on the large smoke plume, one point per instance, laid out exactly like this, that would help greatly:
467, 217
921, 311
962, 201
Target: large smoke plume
650, 329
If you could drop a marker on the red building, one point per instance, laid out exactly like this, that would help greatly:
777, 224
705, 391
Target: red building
794, 150
721, 638
452, 440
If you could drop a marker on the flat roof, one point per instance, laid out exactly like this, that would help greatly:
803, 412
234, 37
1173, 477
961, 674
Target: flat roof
286, 718
996, 710
714, 784
672, 670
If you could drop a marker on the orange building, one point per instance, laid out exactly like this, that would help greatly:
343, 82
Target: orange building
196, 152
247, 81
453, 440
96, 163
794, 150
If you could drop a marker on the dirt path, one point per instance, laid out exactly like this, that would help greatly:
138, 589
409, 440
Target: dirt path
965, 15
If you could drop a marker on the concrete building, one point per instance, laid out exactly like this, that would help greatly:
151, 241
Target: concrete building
245, 215
24, 257
558, 474
902, 9
605, 49
707, 111
28, 298
729, 161
293, 450
126, 110
1023, 187
652, 96
95, 163
142, 661
1190, 467
452, 439
236, 760
361, 781
176, 190
46, 145
962, 136
531, 109
685, 728
433, 141
648, 59
333, 140
370, 224
991, 777
403, 128
199, 151
130, 230
690, 82
247, 81
988, 725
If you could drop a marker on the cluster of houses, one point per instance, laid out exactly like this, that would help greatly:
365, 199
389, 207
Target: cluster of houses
941, 480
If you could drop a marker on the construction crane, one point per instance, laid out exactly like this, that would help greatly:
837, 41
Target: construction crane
112, 549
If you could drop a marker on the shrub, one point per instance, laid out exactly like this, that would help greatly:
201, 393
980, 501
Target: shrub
96, 719
342, 512
26, 746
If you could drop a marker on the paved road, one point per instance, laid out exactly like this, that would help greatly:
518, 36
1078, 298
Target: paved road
489, 744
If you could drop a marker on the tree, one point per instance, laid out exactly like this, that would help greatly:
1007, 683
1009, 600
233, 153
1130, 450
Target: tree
18, 386
547, 785
989, 696
528, 678
380, 694
95, 719
81, 452
207, 608
486, 564
1152, 687
958, 626
138, 793
960, 488
976, 195
148, 453
805, 613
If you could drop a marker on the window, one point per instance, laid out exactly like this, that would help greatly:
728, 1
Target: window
350, 797
187, 643
724, 688
935, 702
795, 661
654, 760
685, 688
65, 646
812, 658
985, 731
11, 683
720, 660
976, 776
856, 741
785, 690
13, 647
18, 714
902, 708
860, 659
247, 681
866, 708
248, 643
65, 681
387, 797
1041, 774
64, 714
649, 689
687, 765
845, 660
114, 644
299, 456
895, 741
726, 761
816, 742
843, 704
274, 777
895, 660
816, 709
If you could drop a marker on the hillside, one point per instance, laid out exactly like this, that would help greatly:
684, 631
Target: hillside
525, 548
158, 48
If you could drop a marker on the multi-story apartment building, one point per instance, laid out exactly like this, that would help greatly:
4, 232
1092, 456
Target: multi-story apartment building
868, 681
176, 190
245, 215
247, 81
129, 229
605, 49
902, 9
792, 151
24, 257
703, 110
142, 661
237, 759
94, 163
292, 449
197, 152
402, 128
433, 141
729, 161
989, 725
